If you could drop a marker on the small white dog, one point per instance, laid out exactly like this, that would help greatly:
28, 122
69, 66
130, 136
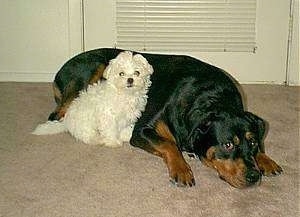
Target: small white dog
106, 112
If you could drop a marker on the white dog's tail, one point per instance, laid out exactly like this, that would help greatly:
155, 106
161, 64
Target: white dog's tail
50, 127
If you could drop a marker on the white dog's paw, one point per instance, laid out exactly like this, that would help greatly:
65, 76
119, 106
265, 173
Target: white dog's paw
112, 143
126, 134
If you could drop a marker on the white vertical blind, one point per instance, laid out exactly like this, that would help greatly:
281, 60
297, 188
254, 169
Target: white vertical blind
186, 25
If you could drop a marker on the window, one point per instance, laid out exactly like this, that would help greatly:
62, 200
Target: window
186, 25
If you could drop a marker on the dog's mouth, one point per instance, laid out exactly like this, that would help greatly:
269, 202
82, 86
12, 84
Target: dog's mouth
132, 86
129, 85
242, 180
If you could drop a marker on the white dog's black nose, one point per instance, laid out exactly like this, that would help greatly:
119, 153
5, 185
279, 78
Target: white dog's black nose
130, 81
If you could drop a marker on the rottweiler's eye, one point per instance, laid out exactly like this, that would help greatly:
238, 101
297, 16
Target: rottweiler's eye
136, 73
253, 143
121, 74
228, 146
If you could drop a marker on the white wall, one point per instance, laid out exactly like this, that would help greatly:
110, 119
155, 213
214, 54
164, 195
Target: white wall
267, 65
293, 61
37, 37
99, 23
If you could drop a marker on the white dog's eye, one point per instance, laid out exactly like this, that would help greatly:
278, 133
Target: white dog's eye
136, 73
121, 74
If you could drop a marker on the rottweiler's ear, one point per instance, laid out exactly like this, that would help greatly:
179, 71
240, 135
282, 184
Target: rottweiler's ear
204, 127
199, 124
199, 131
260, 125
200, 121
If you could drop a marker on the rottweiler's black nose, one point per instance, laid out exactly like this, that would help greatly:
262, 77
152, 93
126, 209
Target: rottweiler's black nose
252, 176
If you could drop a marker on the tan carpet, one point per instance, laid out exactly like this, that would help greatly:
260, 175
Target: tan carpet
57, 176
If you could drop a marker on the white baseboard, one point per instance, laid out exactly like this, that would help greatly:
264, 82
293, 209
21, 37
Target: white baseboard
294, 82
27, 76
49, 77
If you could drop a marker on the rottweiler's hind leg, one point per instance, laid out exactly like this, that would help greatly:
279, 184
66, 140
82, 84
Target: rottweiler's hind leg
65, 99
71, 91
97, 75
57, 93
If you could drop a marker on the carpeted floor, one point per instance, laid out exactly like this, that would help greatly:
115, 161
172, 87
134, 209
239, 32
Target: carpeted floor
57, 176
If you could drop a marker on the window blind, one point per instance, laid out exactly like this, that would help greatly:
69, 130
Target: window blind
186, 25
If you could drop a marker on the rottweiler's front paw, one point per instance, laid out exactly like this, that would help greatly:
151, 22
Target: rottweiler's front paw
267, 166
181, 174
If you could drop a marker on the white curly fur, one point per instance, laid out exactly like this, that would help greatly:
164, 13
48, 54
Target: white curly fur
106, 112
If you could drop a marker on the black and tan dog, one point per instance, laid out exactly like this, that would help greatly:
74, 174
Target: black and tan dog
193, 107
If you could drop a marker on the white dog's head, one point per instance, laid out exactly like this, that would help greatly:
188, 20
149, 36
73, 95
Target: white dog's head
129, 71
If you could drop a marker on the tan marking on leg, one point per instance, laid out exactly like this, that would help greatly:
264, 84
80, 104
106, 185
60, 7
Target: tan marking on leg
69, 94
98, 74
179, 170
57, 93
266, 165
61, 110
163, 131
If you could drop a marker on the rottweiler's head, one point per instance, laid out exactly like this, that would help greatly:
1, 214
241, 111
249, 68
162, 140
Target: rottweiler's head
229, 143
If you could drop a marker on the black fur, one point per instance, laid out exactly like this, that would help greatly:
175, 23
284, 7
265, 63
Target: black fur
200, 105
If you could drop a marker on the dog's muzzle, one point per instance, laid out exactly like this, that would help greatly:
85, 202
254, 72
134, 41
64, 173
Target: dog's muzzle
253, 177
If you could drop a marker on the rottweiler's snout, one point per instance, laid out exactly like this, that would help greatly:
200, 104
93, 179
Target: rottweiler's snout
252, 176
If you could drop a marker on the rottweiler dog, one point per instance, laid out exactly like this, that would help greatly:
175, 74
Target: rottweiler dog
192, 107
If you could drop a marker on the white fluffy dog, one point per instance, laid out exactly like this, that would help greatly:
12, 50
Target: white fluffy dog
106, 112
